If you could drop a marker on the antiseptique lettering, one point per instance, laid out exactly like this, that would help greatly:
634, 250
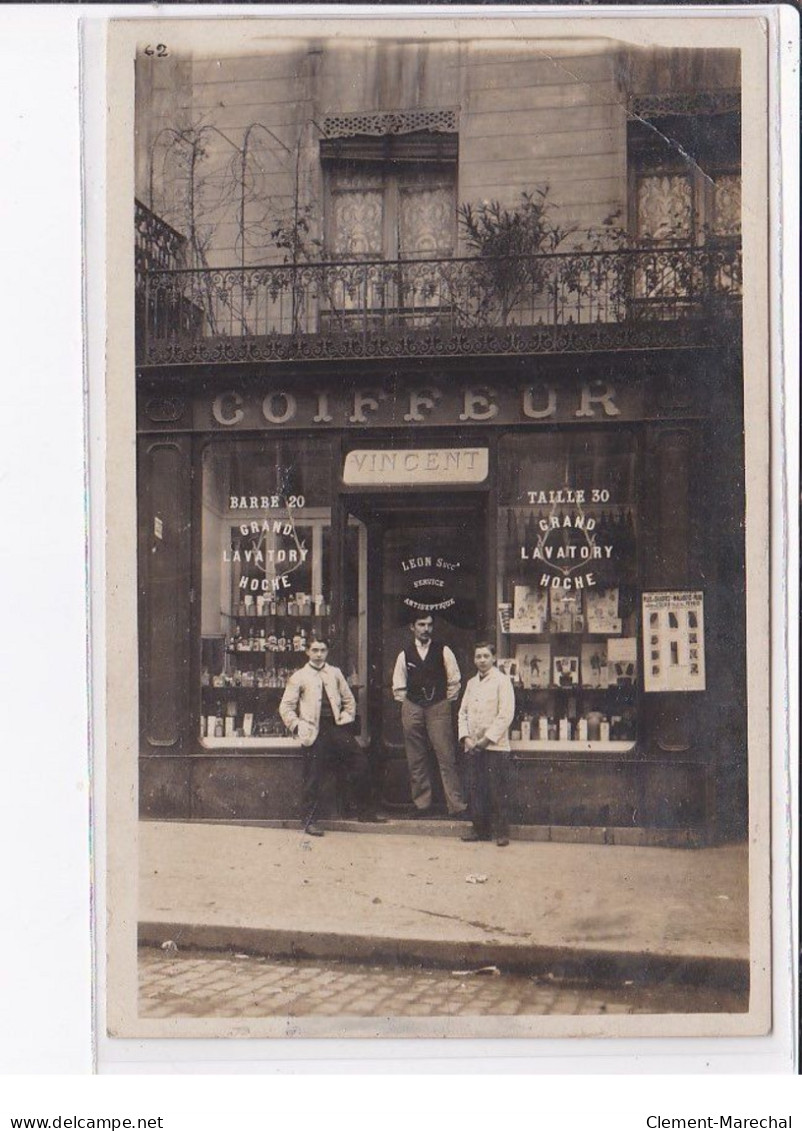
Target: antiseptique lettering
473, 405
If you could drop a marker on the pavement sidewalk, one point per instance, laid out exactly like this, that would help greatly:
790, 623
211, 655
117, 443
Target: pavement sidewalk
385, 895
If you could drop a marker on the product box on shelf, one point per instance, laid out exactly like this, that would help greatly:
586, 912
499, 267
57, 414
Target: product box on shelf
534, 665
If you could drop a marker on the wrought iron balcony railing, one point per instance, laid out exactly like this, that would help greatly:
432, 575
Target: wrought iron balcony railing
643, 298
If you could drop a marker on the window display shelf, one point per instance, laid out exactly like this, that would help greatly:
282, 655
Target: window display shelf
282, 656
548, 634
621, 689
274, 742
319, 619
573, 746
221, 692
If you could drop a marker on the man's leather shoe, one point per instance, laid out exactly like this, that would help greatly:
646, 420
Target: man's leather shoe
502, 841
313, 830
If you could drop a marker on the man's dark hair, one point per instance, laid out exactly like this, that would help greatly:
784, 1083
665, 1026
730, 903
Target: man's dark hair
316, 639
485, 644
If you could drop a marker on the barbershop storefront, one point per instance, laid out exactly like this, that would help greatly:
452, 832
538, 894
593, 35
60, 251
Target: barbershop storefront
590, 523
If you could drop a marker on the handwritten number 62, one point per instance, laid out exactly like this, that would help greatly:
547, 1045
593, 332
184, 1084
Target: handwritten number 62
160, 50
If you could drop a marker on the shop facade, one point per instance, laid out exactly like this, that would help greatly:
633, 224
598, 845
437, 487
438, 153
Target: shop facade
585, 521
372, 415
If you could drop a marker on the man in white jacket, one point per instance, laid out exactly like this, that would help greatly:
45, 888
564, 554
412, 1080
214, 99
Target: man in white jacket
485, 717
317, 706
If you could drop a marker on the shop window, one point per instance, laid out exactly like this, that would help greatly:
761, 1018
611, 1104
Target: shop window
567, 590
266, 584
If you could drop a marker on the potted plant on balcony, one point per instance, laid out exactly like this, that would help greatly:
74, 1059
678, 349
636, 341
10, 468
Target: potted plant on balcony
512, 245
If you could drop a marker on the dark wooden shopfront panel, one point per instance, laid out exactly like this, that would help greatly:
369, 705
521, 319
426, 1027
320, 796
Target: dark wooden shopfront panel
164, 592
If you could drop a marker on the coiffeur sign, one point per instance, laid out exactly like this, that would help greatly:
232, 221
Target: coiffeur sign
284, 406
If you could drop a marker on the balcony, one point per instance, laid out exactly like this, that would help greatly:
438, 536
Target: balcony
579, 301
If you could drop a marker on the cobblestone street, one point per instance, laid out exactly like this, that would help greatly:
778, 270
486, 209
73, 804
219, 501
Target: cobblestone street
201, 984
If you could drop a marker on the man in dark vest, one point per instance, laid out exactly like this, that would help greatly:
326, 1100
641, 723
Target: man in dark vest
426, 680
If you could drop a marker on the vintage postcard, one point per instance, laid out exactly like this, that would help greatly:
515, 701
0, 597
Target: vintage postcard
436, 535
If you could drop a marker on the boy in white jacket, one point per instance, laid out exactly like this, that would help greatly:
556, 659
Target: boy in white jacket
485, 717
318, 707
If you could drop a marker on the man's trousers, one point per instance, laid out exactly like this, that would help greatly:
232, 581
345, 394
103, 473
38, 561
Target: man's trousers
335, 752
431, 725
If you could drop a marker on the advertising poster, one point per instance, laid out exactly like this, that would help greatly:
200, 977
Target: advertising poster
674, 641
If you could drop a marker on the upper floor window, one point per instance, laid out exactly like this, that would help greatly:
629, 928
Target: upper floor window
391, 211
685, 176
392, 196
396, 210
686, 206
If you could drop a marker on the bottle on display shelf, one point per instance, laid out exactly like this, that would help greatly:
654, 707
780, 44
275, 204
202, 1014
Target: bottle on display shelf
604, 730
292, 607
296, 640
526, 728
282, 643
319, 605
543, 728
281, 607
594, 726
582, 729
